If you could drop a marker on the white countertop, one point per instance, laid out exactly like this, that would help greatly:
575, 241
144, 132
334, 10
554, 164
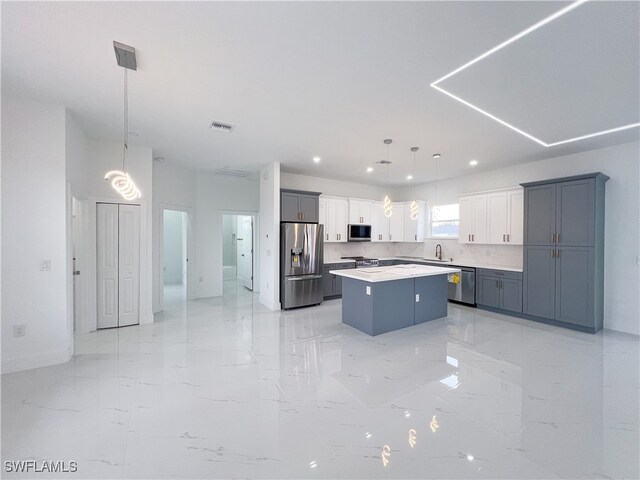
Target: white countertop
394, 272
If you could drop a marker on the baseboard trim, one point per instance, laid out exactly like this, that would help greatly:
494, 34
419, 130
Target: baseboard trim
548, 321
12, 365
274, 306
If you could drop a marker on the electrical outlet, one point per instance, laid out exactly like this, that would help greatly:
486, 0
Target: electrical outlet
19, 330
45, 265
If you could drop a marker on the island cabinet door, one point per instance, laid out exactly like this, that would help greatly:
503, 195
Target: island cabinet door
430, 298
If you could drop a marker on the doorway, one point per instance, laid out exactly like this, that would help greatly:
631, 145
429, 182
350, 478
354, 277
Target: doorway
237, 252
174, 255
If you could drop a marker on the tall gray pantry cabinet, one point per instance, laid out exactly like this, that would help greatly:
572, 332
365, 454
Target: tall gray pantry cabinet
564, 251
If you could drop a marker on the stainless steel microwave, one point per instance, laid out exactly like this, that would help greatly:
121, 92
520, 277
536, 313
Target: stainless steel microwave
359, 233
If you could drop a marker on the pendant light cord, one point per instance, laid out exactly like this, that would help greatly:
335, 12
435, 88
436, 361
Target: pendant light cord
125, 139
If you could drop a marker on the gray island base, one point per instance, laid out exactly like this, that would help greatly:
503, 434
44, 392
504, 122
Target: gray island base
384, 299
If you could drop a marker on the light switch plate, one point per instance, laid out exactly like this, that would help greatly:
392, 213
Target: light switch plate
417, 297
368, 290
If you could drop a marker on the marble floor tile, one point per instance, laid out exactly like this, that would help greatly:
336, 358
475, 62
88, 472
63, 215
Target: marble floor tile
224, 388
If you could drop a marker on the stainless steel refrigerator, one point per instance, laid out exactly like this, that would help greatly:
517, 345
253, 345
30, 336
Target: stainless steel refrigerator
301, 264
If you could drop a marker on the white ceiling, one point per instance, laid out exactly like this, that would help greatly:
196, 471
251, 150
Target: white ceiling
333, 79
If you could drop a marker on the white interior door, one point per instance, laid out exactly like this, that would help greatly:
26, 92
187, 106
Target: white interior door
245, 249
129, 265
107, 268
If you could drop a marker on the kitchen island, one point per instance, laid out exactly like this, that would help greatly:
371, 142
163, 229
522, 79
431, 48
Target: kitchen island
382, 299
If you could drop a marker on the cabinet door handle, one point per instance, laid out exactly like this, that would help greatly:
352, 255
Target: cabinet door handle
508, 239
327, 236
557, 253
553, 253
469, 238
503, 237
415, 237
557, 238
473, 237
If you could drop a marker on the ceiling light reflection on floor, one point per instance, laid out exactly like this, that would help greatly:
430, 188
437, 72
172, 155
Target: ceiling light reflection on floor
451, 381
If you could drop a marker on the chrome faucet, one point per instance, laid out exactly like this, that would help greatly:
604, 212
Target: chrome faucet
439, 252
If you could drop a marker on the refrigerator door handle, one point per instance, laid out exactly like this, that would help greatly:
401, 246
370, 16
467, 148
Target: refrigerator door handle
303, 277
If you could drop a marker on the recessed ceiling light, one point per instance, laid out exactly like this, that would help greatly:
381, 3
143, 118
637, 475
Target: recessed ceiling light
507, 42
473, 163
369, 169
316, 159
436, 155
409, 177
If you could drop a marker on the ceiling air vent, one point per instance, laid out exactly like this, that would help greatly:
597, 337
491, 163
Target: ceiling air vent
232, 172
223, 127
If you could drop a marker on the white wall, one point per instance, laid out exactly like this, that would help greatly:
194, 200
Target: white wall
173, 246
209, 196
622, 217
216, 195
269, 244
34, 223
173, 187
336, 188
229, 250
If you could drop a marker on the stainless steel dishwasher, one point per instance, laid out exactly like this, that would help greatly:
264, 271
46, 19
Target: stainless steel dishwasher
464, 290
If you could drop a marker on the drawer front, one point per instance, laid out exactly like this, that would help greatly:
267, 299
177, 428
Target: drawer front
500, 273
339, 266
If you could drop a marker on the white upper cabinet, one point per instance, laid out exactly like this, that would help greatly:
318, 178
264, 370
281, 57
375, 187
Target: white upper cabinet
505, 217
379, 223
473, 219
492, 218
414, 229
360, 212
335, 218
396, 223
497, 218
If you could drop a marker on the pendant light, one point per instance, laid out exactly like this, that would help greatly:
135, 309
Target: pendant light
120, 179
414, 204
386, 205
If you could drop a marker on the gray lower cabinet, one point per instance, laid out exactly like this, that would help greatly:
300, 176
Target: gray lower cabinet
499, 289
332, 284
539, 281
564, 251
299, 206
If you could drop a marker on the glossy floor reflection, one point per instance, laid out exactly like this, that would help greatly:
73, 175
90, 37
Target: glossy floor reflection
225, 388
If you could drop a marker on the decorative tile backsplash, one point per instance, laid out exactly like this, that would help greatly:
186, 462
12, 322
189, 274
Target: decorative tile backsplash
506, 255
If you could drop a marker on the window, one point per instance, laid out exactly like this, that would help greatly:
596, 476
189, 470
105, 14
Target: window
444, 221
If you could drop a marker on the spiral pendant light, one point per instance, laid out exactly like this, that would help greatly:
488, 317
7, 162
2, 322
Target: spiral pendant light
386, 205
414, 204
121, 182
